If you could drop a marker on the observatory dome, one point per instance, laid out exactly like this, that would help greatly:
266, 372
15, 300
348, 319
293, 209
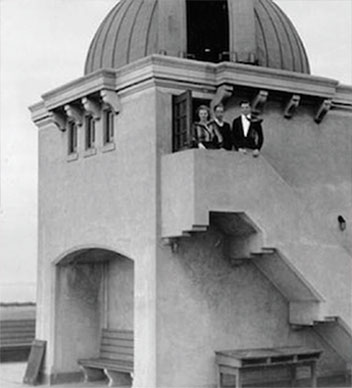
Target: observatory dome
206, 30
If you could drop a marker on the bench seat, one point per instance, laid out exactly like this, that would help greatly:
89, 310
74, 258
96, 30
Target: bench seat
115, 359
106, 363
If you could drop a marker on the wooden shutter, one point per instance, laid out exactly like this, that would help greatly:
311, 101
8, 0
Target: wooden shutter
182, 121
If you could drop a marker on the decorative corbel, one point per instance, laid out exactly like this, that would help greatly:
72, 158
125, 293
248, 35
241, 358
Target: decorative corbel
291, 106
92, 107
260, 101
59, 119
74, 113
110, 97
322, 111
223, 93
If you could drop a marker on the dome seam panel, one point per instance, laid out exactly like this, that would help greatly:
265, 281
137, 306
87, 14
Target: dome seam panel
133, 29
118, 31
275, 33
127, 26
91, 52
98, 36
278, 12
263, 35
111, 22
149, 28
303, 54
140, 32
294, 34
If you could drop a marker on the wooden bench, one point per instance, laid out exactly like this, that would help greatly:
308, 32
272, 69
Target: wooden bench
255, 366
16, 337
115, 359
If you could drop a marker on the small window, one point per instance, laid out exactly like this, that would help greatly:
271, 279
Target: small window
108, 126
72, 137
90, 132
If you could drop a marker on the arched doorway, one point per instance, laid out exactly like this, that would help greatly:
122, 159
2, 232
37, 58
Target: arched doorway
208, 30
94, 290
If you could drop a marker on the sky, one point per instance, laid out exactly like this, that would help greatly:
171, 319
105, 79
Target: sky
43, 44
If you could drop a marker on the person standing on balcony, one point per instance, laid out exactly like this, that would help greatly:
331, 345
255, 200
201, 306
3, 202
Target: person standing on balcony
247, 132
222, 127
205, 135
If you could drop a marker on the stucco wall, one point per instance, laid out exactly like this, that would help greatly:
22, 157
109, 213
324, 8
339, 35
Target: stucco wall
120, 294
79, 312
190, 303
314, 159
100, 201
205, 304
211, 180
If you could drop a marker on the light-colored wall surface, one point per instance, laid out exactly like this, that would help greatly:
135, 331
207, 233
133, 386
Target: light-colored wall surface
100, 201
314, 159
79, 309
125, 200
205, 304
120, 294
233, 182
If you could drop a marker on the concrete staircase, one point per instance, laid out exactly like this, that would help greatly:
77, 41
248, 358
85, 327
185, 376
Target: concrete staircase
304, 301
306, 264
337, 334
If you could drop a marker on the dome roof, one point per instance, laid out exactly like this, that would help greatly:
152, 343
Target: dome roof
132, 30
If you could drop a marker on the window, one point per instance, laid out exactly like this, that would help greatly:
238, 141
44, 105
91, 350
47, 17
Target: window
108, 126
72, 137
90, 132
208, 30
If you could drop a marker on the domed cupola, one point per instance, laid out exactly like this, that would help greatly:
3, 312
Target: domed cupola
254, 32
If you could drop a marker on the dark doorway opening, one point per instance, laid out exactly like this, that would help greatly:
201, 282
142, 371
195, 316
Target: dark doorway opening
208, 30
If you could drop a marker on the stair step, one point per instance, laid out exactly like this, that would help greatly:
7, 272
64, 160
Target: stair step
196, 228
325, 320
264, 251
269, 250
331, 319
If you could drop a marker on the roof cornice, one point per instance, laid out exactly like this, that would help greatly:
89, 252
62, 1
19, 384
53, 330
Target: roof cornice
176, 73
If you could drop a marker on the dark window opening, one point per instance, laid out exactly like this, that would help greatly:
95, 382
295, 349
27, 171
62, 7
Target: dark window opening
108, 126
72, 137
208, 30
90, 132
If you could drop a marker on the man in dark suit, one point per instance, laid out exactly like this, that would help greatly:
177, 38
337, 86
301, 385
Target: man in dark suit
247, 132
222, 127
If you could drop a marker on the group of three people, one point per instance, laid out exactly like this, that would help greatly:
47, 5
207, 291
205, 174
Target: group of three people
245, 135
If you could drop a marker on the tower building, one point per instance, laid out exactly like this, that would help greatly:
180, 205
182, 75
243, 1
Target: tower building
189, 251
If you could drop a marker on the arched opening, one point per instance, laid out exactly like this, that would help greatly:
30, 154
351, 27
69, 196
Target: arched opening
208, 30
94, 291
